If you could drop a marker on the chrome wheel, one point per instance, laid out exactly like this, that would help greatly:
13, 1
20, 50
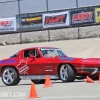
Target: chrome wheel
8, 76
64, 72
67, 73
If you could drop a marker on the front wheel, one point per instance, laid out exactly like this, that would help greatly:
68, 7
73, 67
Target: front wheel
10, 76
66, 73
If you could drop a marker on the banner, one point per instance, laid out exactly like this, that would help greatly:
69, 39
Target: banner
82, 17
31, 20
7, 24
56, 19
97, 15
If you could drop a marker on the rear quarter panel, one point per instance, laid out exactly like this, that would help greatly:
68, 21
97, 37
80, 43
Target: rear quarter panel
8, 62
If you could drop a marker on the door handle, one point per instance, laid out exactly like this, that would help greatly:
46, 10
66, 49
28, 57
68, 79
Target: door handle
48, 62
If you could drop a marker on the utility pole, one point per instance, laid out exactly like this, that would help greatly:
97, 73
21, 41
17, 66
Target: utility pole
48, 29
19, 22
78, 25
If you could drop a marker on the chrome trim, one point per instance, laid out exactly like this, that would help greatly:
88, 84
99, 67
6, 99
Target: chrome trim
35, 77
85, 68
96, 69
48, 70
48, 66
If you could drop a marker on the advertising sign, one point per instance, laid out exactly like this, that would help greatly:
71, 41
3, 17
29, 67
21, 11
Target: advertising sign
7, 24
82, 17
56, 19
31, 20
97, 15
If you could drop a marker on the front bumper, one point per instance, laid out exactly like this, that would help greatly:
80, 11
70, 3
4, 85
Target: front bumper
92, 71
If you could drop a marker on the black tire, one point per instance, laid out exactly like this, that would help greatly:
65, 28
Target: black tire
38, 81
69, 73
15, 77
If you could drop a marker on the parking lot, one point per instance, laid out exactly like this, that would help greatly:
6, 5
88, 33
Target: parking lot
78, 90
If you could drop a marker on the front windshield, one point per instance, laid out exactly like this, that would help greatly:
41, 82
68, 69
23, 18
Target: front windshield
51, 52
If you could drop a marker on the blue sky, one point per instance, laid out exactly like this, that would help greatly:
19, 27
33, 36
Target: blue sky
31, 6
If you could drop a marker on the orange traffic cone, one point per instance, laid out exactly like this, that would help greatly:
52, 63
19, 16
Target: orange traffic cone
47, 82
99, 77
89, 80
33, 93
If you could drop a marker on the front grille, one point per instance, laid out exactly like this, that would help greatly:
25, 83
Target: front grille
98, 69
89, 70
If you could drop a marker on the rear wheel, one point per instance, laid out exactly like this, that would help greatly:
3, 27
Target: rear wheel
10, 76
66, 73
38, 81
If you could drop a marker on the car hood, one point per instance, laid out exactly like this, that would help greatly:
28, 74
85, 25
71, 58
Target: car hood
80, 60
96, 60
91, 59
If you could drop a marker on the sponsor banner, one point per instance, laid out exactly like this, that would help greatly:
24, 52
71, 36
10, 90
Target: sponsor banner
82, 17
31, 20
97, 15
7, 24
56, 19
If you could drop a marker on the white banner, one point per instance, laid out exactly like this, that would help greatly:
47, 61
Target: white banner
55, 19
7, 24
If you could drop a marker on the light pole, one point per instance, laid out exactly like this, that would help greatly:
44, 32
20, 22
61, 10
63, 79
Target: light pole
19, 22
48, 29
78, 25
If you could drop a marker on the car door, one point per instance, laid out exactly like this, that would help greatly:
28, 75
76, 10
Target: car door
50, 63
49, 66
35, 66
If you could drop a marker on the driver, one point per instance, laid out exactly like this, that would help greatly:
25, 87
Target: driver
30, 53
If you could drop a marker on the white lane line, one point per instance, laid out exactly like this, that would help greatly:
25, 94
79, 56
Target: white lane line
13, 98
45, 98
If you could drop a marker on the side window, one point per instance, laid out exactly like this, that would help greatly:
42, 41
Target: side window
15, 55
32, 52
26, 54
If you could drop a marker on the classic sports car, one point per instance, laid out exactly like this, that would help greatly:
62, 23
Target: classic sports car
46, 61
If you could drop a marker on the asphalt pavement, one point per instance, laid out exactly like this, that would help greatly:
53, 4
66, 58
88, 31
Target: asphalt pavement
78, 90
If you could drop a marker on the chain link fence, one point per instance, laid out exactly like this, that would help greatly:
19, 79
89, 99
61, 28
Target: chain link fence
42, 36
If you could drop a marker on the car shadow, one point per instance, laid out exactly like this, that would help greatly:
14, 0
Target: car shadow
68, 82
3, 86
53, 82
14, 85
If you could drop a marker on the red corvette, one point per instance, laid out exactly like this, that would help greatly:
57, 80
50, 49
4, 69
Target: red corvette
35, 63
